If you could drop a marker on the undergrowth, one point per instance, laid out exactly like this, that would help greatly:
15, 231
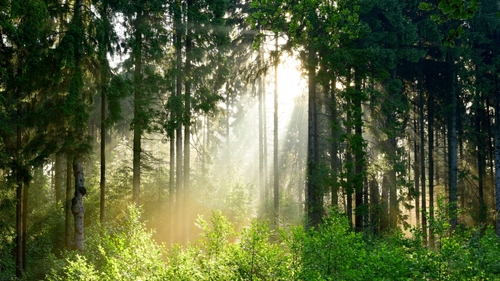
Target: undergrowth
126, 251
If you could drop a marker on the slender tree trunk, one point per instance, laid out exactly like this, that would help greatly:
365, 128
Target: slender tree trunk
422, 151
261, 140
430, 132
187, 121
171, 193
335, 134
314, 202
138, 104
67, 209
481, 161
179, 31
416, 169
453, 168
77, 206
264, 139
496, 97
102, 205
359, 153
20, 250
275, 151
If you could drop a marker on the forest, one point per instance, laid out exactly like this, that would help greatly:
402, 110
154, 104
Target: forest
249, 140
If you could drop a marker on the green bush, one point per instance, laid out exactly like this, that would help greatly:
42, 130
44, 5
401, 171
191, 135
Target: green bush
125, 251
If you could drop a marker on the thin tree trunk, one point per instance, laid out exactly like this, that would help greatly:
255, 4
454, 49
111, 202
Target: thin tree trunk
67, 209
314, 204
179, 31
77, 206
261, 140
171, 193
481, 161
430, 132
496, 98
275, 151
138, 104
416, 168
187, 123
453, 168
335, 134
358, 153
102, 205
422, 152
19, 204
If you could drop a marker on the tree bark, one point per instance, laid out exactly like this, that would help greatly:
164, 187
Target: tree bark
453, 161
275, 151
67, 209
314, 198
187, 120
430, 152
138, 103
335, 134
77, 206
179, 31
422, 151
496, 97
102, 203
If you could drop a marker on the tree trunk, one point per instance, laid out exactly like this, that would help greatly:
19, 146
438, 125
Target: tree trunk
262, 189
187, 122
171, 191
335, 134
422, 151
416, 169
314, 198
430, 132
138, 123
77, 205
102, 205
275, 151
481, 161
67, 209
453, 161
496, 97
179, 31
359, 153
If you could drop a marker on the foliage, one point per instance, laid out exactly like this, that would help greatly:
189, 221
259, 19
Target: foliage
124, 251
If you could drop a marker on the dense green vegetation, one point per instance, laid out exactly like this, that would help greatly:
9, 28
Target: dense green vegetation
135, 140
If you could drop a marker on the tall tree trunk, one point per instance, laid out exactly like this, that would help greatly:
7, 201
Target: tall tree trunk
77, 205
179, 31
481, 160
453, 161
496, 97
77, 86
20, 250
275, 151
102, 205
359, 153
416, 171
335, 134
430, 132
187, 120
138, 104
261, 93
171, 191
67, 209
422, 150
314, 198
